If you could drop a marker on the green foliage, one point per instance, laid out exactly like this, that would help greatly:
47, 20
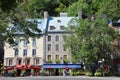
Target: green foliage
57, 61
17, 16
66, 61
49, 61
23, 73
92, 40
78, 73
96, 7
110, 7
98, 72
88, 73
37, 7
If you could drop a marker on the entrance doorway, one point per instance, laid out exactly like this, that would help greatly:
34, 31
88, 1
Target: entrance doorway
18, 72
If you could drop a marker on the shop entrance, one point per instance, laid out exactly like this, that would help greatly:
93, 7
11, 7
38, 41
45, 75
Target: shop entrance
18, 72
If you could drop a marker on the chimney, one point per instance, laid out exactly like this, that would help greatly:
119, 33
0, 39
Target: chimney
63, 14
45, 14
80, 14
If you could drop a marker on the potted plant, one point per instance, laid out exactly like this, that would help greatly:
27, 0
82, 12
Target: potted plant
66, 61
49, 61
12, 72
98, 72
57, 61
23, 73
88, 73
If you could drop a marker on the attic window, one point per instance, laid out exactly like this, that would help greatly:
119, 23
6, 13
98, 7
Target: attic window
62, 27
58, 21
40, 22
52, 27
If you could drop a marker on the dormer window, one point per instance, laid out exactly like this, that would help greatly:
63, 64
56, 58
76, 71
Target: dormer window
16, 42
39, 22
58, 21
25, 42
62, 27
52, 27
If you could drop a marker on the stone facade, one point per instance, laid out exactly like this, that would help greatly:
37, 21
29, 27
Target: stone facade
24, 53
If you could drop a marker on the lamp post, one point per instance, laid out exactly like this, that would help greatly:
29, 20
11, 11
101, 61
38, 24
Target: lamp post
102, 63
103, 67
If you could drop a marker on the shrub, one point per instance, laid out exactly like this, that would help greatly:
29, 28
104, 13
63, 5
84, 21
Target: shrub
98, 72
49, 61
78, 73
66, 61
23, 73
88, 73
57, 61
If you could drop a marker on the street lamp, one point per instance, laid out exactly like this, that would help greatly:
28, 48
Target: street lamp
102, 63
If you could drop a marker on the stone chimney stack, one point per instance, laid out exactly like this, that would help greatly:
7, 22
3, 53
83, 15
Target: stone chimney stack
63, 14
45, 14
80, 14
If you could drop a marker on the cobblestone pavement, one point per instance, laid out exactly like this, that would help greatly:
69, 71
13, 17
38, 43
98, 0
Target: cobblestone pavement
59, 78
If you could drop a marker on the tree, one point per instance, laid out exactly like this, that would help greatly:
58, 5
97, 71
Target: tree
20, 20
37, 7
92, 40
63, 5
110, 7
93, 7
96, 7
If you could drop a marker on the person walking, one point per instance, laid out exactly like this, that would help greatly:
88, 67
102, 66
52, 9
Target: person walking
64, 72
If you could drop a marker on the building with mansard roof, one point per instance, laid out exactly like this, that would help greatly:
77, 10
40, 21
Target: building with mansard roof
45, 51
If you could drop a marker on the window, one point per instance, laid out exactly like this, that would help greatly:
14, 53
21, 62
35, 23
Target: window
19, 61
37, 61
16, 42
57, 38
57, 47
34, 52
49, 60
49, 47
25, 42
52, 27
65, 57
59, 21
49, 57
27, 61
25, 52
62, 27
49, 38
34, 42
56, 56
64, 48
16, 52
10, 62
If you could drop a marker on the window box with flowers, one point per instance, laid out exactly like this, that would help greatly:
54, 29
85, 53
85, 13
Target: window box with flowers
49, 61
57, 61
65, 61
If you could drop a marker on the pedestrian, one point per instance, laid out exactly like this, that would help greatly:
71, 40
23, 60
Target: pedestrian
64, 72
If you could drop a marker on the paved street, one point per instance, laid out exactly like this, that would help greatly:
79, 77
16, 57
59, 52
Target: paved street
59, 78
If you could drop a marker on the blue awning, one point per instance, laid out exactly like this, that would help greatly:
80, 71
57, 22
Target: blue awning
61, 65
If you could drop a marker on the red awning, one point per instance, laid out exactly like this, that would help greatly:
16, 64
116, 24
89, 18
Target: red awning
19, 66
9, 68
28, 66
36, 67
